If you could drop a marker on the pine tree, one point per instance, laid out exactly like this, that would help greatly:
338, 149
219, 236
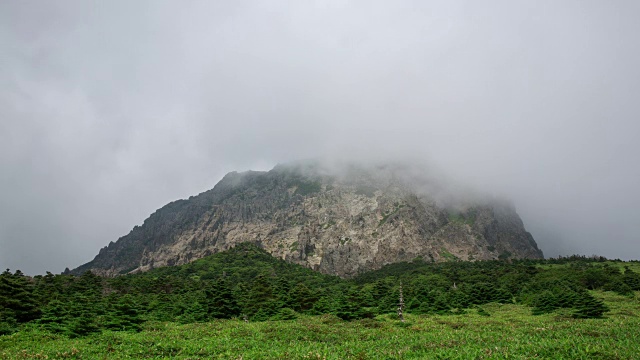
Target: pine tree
414, 305
458, 299
588, 306
281, 290
380, 290
349, 305
325, 304
632, 279
124, 315
55, 315
194, 310
302, 299
220, 300
440, 304
261, 302
17, 301
81, 318
565, 298
545, 303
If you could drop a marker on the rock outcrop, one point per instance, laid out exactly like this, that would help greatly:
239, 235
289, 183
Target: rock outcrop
341, 221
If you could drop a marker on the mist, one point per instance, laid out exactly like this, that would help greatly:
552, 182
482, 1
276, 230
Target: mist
109, 110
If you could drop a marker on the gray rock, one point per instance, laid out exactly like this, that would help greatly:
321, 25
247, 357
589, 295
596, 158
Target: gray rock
340, 221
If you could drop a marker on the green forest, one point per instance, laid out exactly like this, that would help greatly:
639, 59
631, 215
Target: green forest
244, 303
247, 283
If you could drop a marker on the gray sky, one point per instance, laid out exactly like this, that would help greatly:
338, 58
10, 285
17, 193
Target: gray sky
111, 109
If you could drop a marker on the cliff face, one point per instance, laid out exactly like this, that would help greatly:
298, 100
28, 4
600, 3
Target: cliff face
337, 222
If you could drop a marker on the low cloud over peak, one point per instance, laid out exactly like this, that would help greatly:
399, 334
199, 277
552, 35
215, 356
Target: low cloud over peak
108, 111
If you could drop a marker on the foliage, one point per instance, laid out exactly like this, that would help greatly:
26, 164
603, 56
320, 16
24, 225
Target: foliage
17, 301
511, 332
247, 282
306, 187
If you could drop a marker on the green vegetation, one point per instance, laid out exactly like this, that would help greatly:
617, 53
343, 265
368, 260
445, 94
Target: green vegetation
509, 332
306, 187
448, 256
386, 215
329, 224
573, 307
467, 218
294, 246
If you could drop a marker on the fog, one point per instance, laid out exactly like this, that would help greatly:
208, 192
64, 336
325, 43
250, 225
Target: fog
109, 110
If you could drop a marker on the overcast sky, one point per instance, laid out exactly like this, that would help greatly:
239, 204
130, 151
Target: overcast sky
111, 109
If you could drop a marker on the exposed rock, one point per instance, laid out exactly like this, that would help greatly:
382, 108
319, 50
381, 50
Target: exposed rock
340, 221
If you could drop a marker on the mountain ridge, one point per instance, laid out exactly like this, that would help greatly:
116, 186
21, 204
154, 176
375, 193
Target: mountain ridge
339, 220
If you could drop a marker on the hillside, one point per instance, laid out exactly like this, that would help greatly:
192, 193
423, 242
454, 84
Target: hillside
340, 220
248, 283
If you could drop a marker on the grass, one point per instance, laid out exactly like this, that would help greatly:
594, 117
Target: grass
510, 332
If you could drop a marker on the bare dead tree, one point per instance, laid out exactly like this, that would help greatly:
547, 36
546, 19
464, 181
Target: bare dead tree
401, 305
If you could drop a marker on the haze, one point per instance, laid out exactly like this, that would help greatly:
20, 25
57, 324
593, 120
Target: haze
109, 110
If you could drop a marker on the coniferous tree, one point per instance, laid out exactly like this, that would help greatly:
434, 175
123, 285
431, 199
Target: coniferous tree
546, 302
458, 299
89, 285
17, 301
55, 316
261, 302
349, 305
193, 311
302, 298
281, 290
325, 303
220, 300
81, 317
124, 315
380, 290
440, 303
588, 306
50, 287
565, 298
389, 303
632, 279
162, 307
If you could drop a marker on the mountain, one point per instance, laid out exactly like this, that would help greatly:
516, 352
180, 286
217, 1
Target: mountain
339, 219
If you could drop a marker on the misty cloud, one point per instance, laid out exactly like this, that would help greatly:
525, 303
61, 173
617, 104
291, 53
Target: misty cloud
109, 110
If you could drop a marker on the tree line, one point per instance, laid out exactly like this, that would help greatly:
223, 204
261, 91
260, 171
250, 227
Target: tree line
247, 283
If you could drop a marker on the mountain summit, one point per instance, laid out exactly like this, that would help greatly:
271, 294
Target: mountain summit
338, 219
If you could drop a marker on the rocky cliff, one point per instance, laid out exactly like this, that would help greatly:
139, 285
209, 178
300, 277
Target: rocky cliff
338, 221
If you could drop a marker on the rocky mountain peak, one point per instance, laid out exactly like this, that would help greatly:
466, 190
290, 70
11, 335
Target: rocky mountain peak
340, 218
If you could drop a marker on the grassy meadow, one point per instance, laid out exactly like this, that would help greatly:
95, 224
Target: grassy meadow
509, 332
